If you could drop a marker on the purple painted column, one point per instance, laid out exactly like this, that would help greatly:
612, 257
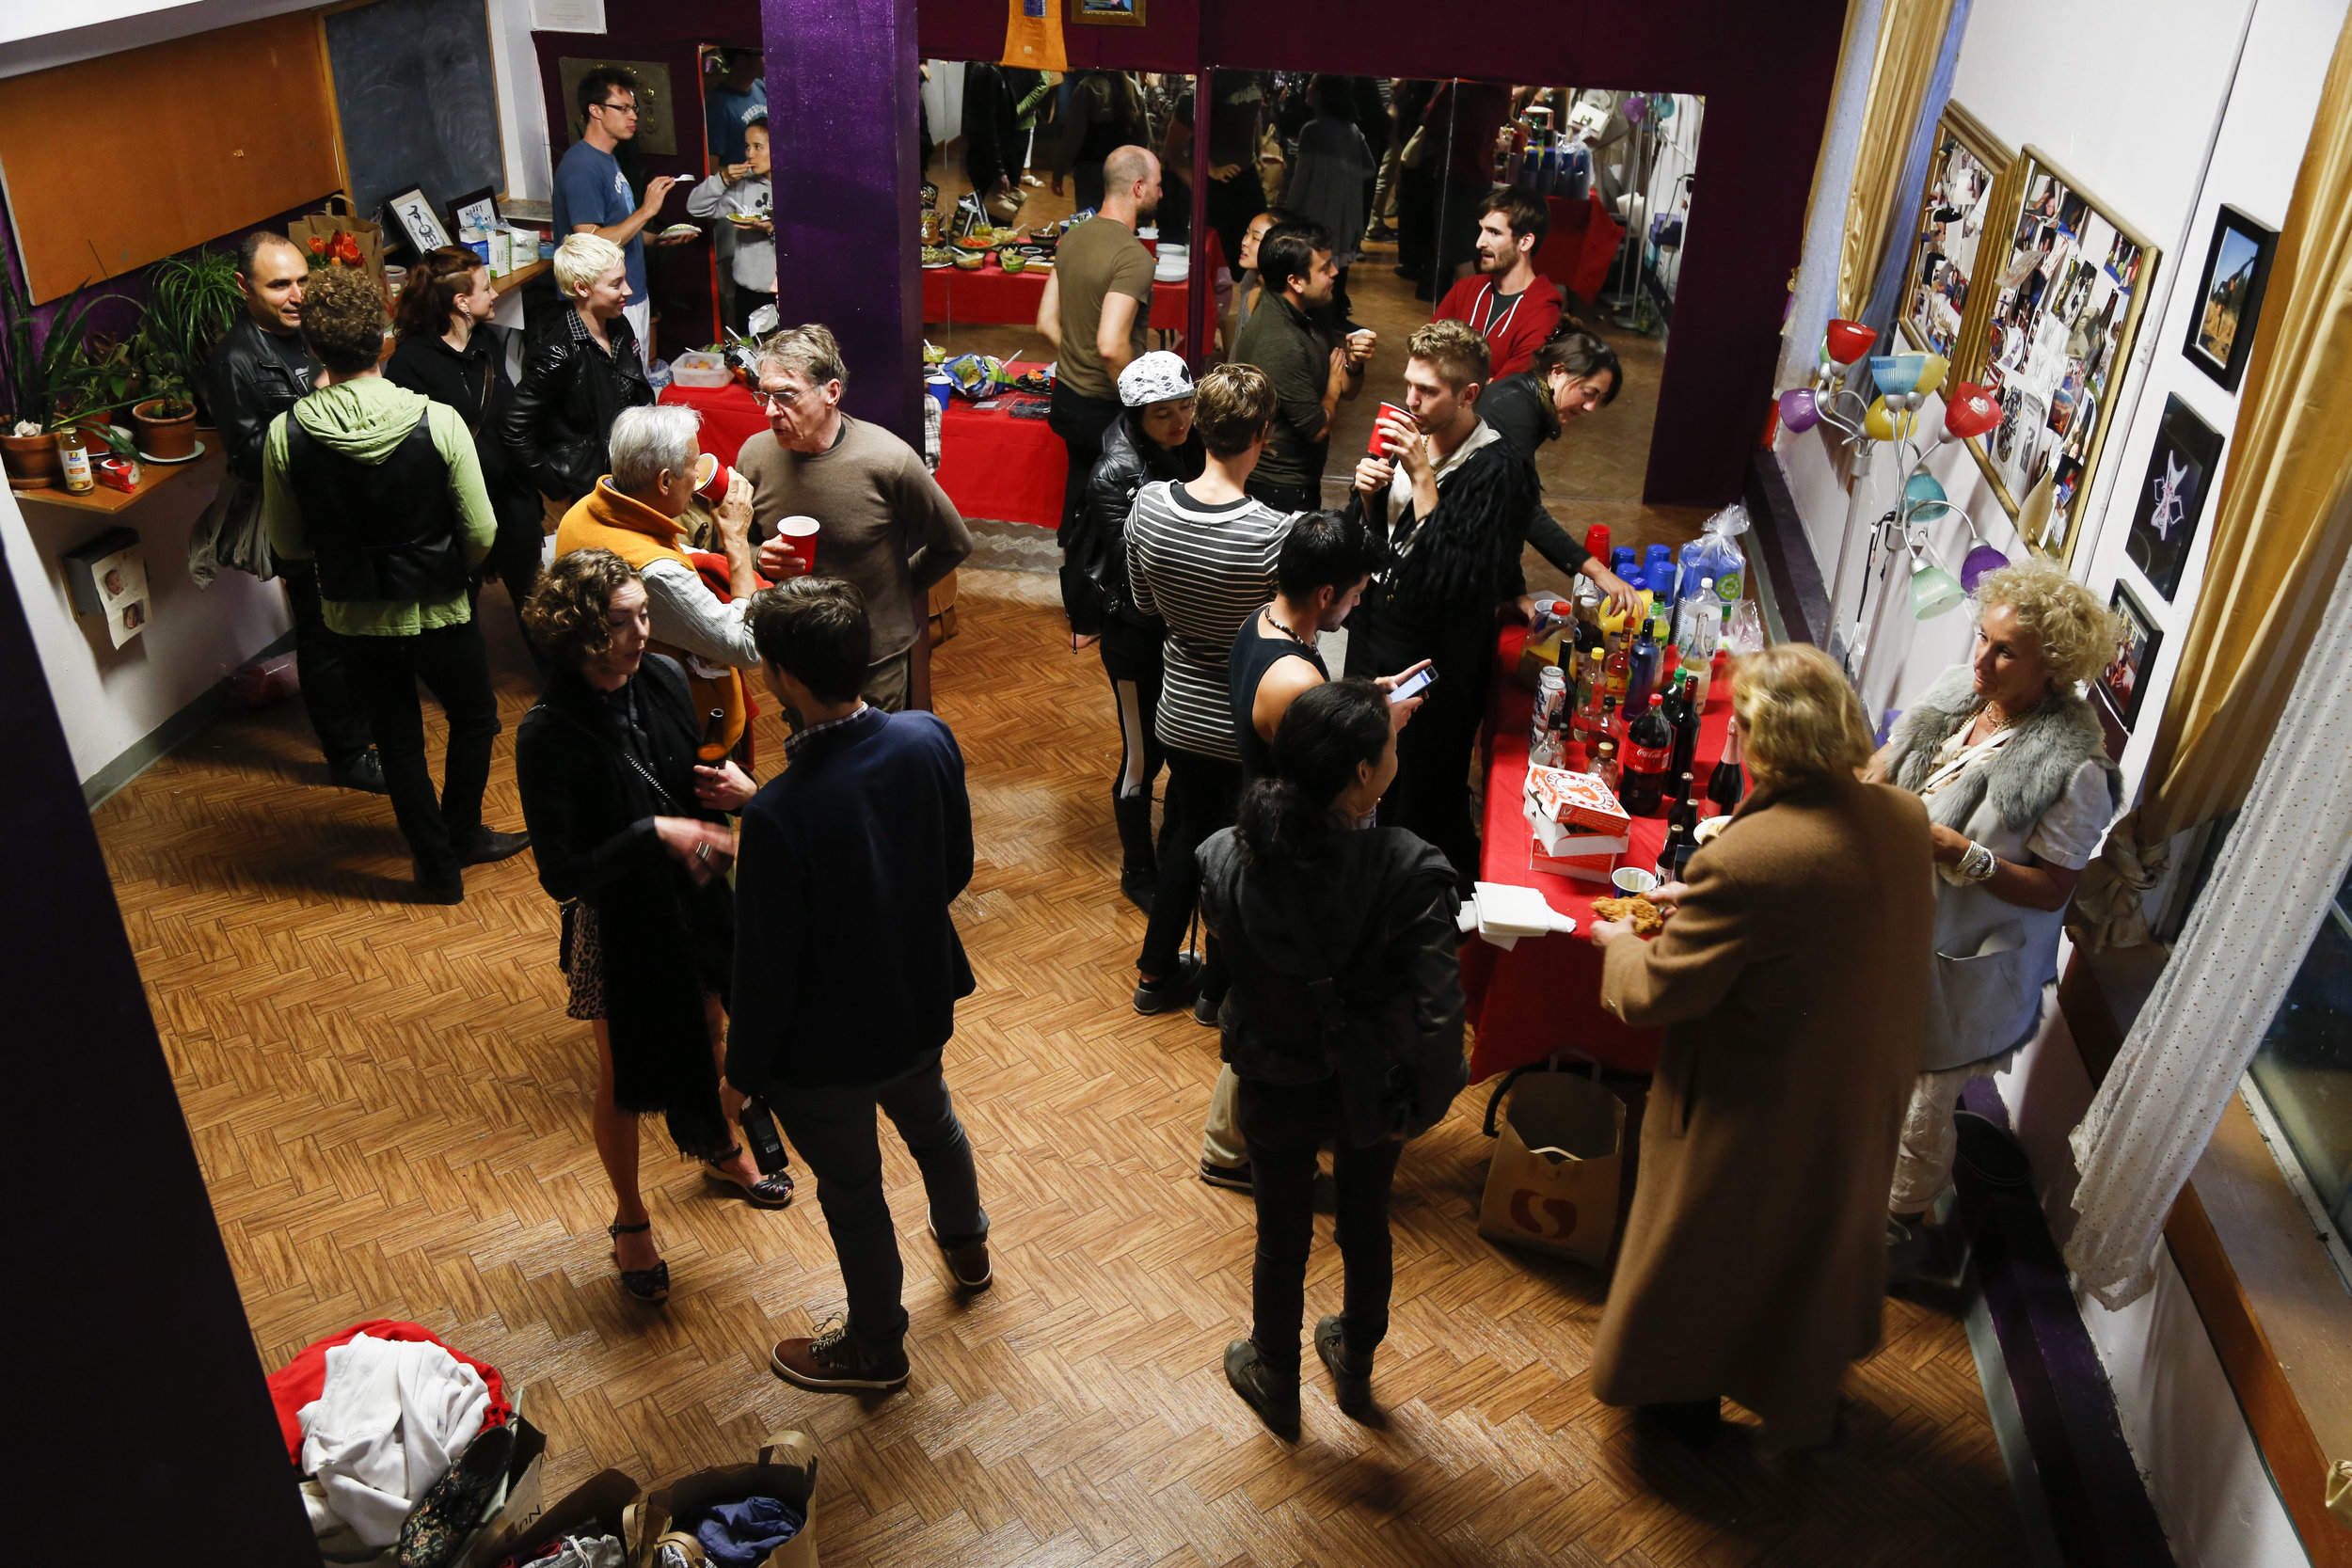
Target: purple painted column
842, 124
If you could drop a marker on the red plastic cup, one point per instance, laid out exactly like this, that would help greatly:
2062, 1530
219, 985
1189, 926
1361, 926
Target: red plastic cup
1597, 543
800, 534
1388, 410
711, 478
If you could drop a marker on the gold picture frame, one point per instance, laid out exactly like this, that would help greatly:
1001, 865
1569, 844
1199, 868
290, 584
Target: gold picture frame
2057, 314
1968, 181
1106, 13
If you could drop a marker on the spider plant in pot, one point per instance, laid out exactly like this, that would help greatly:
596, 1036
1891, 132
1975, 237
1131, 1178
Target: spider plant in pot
36, 373
192, 302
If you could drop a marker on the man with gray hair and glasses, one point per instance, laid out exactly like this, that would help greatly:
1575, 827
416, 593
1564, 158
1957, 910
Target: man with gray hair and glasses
882, 522
634, 511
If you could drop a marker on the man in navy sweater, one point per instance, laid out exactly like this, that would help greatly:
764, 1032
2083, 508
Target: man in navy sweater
848, 968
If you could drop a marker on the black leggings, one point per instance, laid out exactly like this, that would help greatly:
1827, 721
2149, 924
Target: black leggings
1284, 1124
1132, 658
1202, 792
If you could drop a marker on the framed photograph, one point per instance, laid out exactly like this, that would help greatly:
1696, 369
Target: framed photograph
2062, 284
1962, 192
477, 210
417, 221
2122, 684
2237, 267
2171, 498
1107, 14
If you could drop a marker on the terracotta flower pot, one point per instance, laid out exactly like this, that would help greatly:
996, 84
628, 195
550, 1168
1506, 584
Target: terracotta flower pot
32, 461
164, 439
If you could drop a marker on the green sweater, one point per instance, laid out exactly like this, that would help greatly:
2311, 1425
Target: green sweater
366, 418
1295, 354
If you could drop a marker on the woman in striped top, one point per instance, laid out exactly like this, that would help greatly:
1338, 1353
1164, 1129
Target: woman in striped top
1200, 555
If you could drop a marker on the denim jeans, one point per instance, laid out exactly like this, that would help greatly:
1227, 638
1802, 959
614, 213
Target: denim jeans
1284, 1125
833, 1126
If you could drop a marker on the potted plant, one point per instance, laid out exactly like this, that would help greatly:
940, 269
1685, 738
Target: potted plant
36, 375
192, 300
165, 421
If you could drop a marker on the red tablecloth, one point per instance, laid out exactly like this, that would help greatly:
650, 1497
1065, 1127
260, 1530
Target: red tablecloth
991, 464
991, 296
1544, 996
1580, 243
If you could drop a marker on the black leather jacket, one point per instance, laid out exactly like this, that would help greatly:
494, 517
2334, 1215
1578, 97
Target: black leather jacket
564, 408
247, 385
1130, 461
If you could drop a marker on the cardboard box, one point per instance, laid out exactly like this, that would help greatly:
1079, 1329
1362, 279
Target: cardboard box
1560, 842
1575, 799
1587, 868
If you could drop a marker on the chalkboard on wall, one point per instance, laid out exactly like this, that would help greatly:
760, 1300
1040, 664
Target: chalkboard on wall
418, 98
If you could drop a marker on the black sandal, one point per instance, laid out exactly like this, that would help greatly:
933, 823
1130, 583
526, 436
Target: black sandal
650, 1286
771, 1191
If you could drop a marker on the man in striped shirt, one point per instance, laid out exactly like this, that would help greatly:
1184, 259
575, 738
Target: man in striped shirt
1200, 555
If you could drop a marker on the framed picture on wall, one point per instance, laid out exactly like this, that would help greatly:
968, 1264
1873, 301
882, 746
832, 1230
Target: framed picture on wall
477, 210
417, 223
1964, 175
2230, 297
2122, 684
1107, 14
2171, 499
2062, 284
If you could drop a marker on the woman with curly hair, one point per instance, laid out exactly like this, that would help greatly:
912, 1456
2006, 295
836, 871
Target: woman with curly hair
634, 843
2013, 767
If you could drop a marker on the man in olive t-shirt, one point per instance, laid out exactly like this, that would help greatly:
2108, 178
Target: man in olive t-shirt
1096, 310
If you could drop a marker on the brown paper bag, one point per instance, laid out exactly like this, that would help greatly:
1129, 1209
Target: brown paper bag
325, 226
598, 1506
1559, 1155
786, 1469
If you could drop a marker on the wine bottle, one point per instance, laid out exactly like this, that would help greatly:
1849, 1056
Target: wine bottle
1725, 786
1640, 679
1684, 715
1648, 746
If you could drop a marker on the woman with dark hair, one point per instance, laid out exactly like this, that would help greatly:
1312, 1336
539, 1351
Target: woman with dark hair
634, 843
447, 352
1343, 1024
1574, 374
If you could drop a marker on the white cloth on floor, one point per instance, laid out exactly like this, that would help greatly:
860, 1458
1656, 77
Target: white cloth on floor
386, 1424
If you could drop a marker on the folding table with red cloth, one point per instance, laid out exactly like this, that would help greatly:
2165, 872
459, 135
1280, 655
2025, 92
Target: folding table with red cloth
1543, 996
1580, 244
299, 1381
992, 297
991, 464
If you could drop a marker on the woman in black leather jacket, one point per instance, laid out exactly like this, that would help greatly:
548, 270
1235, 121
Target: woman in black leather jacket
1343, 1024
1153, 440
577, 378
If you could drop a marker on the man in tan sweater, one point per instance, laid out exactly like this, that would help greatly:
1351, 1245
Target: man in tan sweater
883, 521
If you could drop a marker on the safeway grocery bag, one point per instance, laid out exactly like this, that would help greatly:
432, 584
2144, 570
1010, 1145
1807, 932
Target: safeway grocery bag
1559, 1156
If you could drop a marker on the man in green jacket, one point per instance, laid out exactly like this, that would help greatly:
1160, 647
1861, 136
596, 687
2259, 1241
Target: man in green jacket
1313, 365
382, 489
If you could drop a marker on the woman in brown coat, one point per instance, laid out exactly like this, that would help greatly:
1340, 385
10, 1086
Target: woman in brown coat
1792, 980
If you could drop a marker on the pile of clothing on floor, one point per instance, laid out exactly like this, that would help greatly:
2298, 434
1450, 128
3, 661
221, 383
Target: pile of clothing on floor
403, 1446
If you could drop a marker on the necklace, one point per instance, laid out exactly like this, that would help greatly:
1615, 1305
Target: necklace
1284, 628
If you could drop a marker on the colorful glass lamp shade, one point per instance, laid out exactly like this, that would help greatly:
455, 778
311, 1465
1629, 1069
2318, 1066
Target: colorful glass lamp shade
1983, 558
1923, 489
1800, 410
1933, 591
1849, 341
1969, 411
1898, 374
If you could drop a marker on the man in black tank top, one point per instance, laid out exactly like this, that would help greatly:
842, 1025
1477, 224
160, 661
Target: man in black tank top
1325, 564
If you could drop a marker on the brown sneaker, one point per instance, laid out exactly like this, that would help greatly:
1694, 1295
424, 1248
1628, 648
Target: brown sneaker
967, 1264
832, 1362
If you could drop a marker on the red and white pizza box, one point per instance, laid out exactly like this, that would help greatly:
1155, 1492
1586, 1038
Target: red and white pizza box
1575, 799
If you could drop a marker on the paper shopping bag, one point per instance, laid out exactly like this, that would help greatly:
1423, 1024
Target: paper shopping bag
343, 239
1559, 1155
598, 1506
786, 1469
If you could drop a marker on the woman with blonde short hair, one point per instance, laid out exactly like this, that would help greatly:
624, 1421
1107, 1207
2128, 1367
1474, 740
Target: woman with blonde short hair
2013, 767
578, 378
1790, 975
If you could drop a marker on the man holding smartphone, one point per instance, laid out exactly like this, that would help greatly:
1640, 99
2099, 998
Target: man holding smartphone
1327, 562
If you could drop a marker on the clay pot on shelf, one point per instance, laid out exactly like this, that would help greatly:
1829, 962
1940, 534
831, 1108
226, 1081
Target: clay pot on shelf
32, 461
161, 439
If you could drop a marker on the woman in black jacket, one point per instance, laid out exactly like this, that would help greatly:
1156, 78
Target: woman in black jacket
633, 840
1153, 440
577, 378
1573, 374
447, 352
1343, 1024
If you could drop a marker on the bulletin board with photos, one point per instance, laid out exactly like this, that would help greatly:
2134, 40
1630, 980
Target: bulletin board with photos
1968, 177
2063, 284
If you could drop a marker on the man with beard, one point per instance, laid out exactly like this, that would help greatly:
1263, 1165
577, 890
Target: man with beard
1507, 302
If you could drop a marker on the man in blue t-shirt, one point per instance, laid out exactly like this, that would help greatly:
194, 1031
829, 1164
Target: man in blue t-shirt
735, 96
592, 194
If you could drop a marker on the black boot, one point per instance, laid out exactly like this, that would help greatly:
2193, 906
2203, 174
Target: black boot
1138, 867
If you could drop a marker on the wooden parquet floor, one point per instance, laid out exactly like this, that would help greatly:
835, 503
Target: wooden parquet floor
392, 1115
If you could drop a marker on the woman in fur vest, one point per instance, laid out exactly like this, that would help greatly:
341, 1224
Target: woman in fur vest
2013, 767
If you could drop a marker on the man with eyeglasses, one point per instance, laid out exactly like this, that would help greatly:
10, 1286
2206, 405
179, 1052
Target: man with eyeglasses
884, 523
592, 195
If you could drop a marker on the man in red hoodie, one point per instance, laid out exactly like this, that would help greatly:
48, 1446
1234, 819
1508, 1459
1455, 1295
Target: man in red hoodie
1506, 301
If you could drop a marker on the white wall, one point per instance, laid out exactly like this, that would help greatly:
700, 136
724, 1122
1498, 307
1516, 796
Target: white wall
108, 698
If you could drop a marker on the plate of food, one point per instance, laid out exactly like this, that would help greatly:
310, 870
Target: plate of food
680, 232
936, 256
747, 220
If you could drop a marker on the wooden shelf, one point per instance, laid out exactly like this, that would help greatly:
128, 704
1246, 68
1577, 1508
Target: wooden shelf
107, 502
520, 277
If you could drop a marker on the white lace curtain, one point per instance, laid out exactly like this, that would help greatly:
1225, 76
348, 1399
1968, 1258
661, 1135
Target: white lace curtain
2246, 938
